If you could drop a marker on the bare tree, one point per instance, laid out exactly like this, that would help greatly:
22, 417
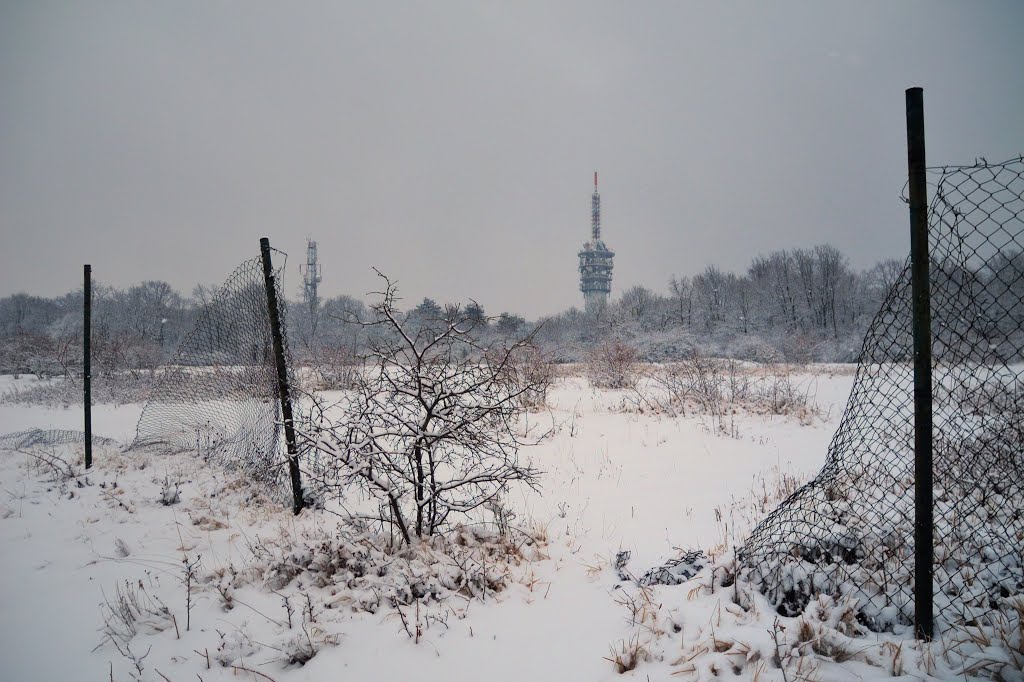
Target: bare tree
881, 278
776, 274
744, 297
682, 294
433, 426
831, 266
638, 302
709, 288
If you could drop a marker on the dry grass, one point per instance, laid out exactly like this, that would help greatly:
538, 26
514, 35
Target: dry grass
721, 389
995, 647
359, 566
626, 654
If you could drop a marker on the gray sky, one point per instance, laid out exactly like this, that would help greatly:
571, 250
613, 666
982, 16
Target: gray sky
451, 144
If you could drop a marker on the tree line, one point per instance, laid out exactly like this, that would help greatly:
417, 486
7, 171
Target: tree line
795, 305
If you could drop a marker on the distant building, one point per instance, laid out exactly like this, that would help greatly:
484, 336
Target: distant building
595, 262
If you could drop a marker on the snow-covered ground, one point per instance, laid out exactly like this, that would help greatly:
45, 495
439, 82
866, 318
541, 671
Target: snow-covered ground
614, 479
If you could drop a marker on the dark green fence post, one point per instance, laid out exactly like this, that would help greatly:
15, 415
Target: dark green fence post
87, 363
282, 377
924, 559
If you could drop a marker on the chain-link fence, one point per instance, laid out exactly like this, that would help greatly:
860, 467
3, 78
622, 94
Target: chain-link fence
30, 438
219, 395
850, 531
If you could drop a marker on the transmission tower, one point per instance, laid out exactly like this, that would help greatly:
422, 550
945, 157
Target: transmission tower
311, 276
595, 261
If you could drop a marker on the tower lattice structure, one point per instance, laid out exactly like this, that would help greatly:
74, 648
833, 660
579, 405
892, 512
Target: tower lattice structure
311, 277
595, 261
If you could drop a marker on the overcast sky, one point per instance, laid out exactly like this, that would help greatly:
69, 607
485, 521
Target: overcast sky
452, 144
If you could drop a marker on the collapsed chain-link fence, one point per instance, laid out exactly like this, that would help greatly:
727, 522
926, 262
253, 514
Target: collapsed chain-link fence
29, 438
850, 531
218, 396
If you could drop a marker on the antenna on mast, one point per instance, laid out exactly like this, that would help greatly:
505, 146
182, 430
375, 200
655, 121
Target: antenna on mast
595, 261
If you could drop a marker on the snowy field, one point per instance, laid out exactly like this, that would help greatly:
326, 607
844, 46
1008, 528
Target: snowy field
615, 479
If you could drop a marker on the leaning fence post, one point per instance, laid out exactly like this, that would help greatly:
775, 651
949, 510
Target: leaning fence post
919, 278
282, 377
87, 363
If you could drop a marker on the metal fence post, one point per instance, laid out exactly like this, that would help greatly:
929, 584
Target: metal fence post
282, 377
919, 274
87, 363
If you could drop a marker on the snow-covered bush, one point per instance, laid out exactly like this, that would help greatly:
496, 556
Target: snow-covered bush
234, 647
367, 570
300, 648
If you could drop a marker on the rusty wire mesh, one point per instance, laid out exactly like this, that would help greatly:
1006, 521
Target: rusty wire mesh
850, 531
218, 396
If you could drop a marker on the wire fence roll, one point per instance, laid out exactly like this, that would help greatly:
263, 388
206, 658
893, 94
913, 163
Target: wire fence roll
849, 532
219, 396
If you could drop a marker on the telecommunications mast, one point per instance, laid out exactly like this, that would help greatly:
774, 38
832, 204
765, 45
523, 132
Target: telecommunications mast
595, 261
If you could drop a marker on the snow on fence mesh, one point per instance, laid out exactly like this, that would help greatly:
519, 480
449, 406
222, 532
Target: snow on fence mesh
28, 438
850, 531
218, 396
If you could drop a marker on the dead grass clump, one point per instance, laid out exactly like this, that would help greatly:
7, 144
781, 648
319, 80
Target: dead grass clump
627, 654
994, 646
300, 648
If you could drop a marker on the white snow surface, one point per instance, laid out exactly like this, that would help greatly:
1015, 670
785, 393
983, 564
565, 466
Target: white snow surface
613, 480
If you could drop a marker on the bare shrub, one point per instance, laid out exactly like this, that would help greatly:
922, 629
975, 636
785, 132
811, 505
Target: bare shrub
432, 428
47, 458
533, 368
170, 492
800, 349
336, 368
117, 389
613, 364
130, 611
35, 354
717, 388
235, 646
